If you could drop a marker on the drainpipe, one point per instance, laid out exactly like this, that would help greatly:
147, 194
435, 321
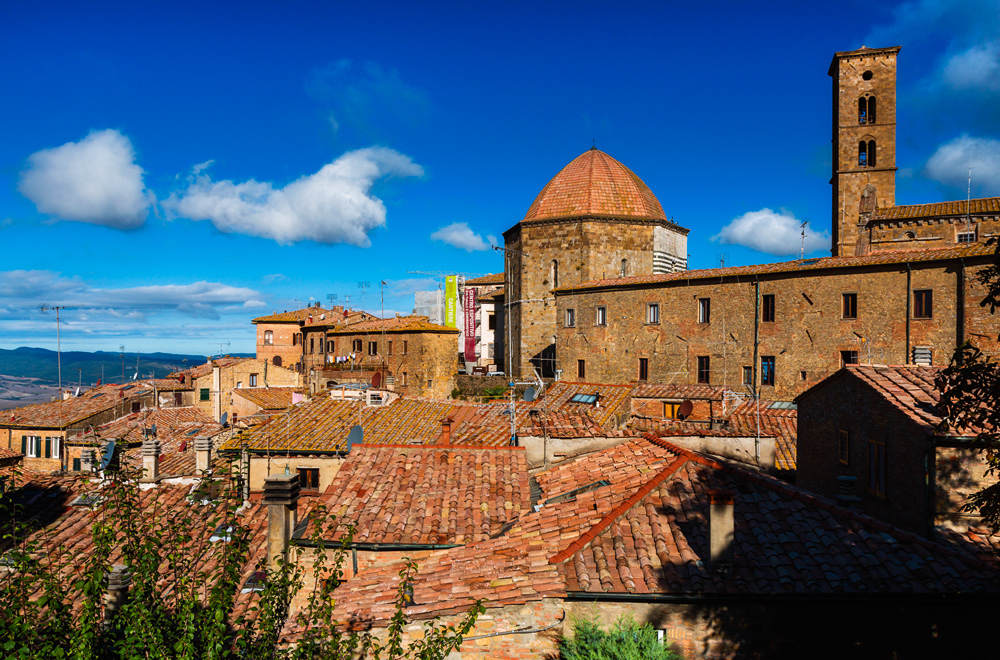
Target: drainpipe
909, 296
960, 306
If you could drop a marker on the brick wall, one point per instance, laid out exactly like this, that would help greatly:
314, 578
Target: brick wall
236, 375
805, 339
282, 343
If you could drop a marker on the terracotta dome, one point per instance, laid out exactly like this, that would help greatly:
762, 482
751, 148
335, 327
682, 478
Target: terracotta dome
595, 184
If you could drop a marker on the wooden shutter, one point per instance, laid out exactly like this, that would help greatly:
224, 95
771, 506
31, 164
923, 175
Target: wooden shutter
76, 465
24, 445
48, 447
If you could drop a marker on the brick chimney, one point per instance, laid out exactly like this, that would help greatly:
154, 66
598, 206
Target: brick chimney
87, 459
846, 497
721, 537
150, 461
202, 454
119, 580
281, 495
446, 430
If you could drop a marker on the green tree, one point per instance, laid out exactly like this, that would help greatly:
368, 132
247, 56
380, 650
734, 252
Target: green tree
625, 640
41, 616
970, 397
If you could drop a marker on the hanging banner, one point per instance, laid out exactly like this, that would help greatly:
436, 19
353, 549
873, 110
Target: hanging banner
451, 301
469, 309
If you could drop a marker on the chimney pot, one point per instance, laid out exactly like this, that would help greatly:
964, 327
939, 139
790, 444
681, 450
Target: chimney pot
721, 526
119, 580
446, 430
87, 459
150, 460
202, 454
846, 484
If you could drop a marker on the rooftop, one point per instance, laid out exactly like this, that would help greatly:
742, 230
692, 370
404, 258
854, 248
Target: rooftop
293, 316
494, 278
986, 205
394, 324
66, 412
268, 398
429, 494
595, 185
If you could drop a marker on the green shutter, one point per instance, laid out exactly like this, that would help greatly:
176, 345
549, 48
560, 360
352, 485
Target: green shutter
204, 394
48, 447
24, 445
76, 465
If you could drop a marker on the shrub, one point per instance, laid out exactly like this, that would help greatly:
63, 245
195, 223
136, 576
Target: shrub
626, 640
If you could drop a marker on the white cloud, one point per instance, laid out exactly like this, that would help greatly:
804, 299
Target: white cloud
977, 68
94, 180
773, 233
459, 235
334, 205
950, 164
251, 304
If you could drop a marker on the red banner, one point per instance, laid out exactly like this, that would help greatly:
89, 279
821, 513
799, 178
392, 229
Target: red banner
470, 324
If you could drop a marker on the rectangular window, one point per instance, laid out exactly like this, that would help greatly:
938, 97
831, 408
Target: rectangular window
672, 410
767, 311
602, 316
389, 348
704, 367
309, 478
491, 321
653, 313
406, 346
402, 381
76, 465
643, 368
767, 370
239, 384
844, 448
312, 344
356, 345
748, 375
876, 468
581, 369
52, 448
704, 310
331, 346
203, 394
136, 406
429, 383
848, 357
253, 380
923, 304
296, 339
31, 446
850, 306
373, 348
570, 318
967, 237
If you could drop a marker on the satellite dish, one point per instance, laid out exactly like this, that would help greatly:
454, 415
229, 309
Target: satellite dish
529, 394
686, 408
355, 437
377, 379
224, 418
109, 453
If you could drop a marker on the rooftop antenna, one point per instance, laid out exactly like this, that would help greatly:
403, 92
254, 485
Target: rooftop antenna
802, 250
223, 347
968, 196
43, 308
363, 286
331, 298
121, 354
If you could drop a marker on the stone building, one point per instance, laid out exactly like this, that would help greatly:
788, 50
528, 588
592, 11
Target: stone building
900, 287
280, 336
870, 436
595, 219
215, 381
416, 357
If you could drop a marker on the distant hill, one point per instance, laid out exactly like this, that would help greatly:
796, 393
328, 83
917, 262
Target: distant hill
41, 363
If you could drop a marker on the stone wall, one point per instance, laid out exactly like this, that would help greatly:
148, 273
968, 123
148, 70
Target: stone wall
806, 338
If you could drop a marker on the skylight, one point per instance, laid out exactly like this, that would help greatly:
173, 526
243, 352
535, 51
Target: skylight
87, 499
584, 398
784, 405
223, 532
256, 582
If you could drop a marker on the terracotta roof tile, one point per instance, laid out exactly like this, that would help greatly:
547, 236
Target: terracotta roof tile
397, 324
596, 185
476, 490
268, 398
986, 205
679, 391
65, 412
293, 316
494, 278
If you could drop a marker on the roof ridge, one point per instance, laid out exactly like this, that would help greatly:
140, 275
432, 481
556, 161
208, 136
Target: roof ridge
618, 511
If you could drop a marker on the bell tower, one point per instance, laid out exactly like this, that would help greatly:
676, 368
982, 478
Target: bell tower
864, 141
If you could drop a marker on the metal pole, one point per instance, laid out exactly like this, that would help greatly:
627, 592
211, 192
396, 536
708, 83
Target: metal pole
58, 353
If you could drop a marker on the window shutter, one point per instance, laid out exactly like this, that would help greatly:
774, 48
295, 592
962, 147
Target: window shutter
76, 465
24, 445
48, 447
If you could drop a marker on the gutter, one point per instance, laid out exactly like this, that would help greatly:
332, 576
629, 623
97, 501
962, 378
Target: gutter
909, 296
729, 599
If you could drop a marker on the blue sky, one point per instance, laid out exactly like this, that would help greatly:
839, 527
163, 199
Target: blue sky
171, 170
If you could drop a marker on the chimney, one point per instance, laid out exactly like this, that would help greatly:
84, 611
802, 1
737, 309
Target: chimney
846, 497
202, 454
446, 430
720, 519
119, 580
281, 495
87, 459
150, 461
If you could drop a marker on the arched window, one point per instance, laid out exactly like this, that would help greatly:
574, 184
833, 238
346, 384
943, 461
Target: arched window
268, 337
555, 273
862, 154
277, 360
624, 270
866, 110
871, 153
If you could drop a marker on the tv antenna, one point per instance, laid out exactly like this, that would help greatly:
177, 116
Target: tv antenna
721, 258
331, 298
802, 250
223, 347
121, 354
43, 308
363, 286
